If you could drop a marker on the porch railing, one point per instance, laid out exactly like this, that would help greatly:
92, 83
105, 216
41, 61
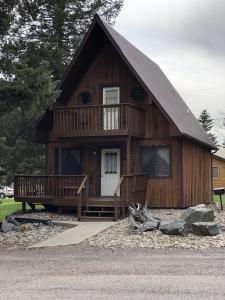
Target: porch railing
50, 188
132, 189
92, 120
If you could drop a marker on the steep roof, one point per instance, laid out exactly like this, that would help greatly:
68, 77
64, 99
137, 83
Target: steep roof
153, 80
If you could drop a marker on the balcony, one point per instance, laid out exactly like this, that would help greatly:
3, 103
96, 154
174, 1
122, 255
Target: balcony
99, 120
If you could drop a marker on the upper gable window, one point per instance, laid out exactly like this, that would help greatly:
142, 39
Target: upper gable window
111, 95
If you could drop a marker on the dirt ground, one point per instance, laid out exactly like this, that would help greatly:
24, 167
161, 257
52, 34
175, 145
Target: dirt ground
92, 273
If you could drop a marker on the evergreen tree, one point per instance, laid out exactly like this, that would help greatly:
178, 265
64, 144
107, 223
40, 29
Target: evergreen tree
48, 30
207, 123
22, 101
37, 41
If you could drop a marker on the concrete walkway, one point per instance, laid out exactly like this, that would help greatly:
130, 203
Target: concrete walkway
73, 236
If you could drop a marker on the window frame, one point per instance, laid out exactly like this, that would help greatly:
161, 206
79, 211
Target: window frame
218, 172
169, 147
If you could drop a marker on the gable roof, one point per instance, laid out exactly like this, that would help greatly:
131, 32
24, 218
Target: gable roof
152, 79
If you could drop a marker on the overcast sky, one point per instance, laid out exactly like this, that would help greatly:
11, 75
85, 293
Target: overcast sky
186, 38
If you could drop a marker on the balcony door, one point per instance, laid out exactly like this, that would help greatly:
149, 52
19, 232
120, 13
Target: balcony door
111, 97
110, 171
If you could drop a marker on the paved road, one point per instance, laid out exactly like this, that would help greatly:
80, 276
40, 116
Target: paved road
76, 273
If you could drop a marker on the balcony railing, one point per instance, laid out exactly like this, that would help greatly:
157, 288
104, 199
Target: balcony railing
99, 120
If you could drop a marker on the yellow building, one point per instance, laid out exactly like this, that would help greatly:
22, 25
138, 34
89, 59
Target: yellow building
218, 168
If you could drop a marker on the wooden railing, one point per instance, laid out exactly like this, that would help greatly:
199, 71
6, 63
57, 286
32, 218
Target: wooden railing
92, 120
132, 189
82, 194
50, 188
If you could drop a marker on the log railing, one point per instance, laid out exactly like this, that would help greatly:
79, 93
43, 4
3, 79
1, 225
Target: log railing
132, 189
50, 188
92, 120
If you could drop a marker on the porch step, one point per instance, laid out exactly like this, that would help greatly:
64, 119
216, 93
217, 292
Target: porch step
94, 219
98, 213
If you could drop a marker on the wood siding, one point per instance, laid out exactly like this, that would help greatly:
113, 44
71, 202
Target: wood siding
219, 182
165, 192
197, 184
108, 69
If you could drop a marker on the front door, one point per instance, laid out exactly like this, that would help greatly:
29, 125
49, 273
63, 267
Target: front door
110, 171
111, 97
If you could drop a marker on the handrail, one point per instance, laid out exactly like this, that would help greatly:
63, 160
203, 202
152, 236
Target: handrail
118, 186
98, 105
82, 185
33, 176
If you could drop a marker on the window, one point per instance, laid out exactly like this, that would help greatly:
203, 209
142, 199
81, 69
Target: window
71, 162
155, 161
215, 172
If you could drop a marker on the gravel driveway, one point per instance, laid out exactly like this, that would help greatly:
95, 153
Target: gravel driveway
89, 273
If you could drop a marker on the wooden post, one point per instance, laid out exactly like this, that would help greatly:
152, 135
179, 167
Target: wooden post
115, 208
79, 207
24, 207
125, 201
128, 154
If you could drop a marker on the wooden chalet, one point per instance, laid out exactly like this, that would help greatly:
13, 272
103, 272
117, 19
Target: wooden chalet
118, 133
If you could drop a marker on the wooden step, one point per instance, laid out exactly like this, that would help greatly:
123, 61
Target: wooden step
99, 211
94, 219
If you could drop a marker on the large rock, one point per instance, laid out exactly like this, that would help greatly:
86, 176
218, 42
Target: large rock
205, 228
178, 227
199, 213
10, 224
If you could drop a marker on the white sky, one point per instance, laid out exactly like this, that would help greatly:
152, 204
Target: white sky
186, 38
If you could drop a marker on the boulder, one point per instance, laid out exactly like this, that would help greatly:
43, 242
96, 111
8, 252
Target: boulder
199, 213
205, 228
10, 224
7, 226
178, 227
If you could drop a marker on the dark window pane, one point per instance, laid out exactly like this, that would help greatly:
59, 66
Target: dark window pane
71, 162
155, 161
162, 162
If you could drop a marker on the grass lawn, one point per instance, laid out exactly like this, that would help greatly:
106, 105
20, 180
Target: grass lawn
216, 198
8, 206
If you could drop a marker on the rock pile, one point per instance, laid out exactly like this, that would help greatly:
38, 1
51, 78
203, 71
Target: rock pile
198, 220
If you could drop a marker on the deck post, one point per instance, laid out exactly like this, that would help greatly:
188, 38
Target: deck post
24, 207
79, 207
125, 201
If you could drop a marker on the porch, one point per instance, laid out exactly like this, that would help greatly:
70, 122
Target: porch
73, 191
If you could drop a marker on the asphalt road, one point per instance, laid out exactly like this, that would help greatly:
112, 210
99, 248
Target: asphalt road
78, 273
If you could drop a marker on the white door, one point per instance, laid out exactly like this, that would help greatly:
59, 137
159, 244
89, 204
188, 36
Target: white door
111, 96
110, 171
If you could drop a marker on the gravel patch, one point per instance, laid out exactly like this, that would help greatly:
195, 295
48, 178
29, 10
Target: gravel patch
120, 236
48, 216
34, 234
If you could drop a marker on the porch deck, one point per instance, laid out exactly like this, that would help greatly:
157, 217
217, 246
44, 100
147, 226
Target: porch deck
73, 191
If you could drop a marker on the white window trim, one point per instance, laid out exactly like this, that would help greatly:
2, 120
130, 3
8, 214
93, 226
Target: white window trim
109, 89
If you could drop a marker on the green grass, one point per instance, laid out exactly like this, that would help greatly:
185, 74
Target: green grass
216, 198
8, 206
